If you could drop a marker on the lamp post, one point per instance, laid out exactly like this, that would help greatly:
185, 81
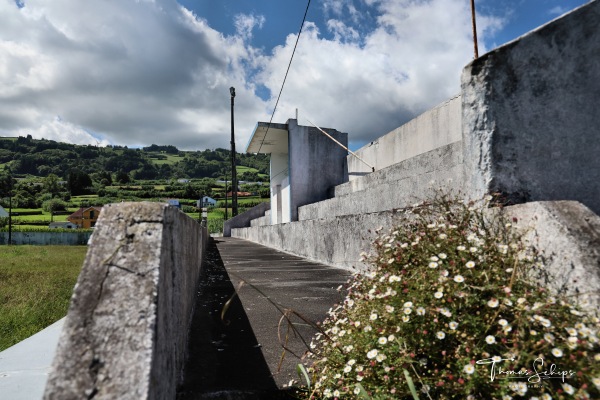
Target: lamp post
234, 205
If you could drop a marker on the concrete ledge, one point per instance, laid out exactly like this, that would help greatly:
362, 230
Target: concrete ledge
398, 186
126, 331
243, 220
568, 235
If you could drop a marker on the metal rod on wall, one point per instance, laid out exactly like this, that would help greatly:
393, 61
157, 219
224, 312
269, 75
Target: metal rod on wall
234, 205
473, 20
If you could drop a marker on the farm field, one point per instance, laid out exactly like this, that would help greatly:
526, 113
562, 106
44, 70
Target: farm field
36, 283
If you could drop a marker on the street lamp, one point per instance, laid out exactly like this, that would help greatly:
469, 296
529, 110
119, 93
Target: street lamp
234, 205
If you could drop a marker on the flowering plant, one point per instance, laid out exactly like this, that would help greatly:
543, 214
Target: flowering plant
450, 310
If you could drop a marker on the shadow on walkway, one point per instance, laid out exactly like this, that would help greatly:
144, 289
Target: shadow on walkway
224, 358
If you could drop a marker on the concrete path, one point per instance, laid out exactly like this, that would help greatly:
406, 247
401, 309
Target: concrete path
238, 355
24, 367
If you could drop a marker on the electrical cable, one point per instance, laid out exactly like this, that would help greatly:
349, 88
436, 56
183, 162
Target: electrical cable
285, 77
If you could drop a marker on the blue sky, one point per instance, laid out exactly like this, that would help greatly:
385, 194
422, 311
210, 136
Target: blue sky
158, 71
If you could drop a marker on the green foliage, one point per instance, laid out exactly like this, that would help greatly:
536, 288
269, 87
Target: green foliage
450, 295
54, 205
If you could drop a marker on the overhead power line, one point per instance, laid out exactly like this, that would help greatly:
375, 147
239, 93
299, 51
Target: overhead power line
286, 74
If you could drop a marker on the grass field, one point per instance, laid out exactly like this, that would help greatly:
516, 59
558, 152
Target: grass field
36, 283
171, 159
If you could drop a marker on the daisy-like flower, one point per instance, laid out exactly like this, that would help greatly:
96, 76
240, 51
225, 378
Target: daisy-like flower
327, 393
503, 322
440, 335
453, 325
367, 328
373, 316
596, 381
521, 300
394, 278
496, 358
443, 236
434, 258
356, 390
408, 304
347, 369
359, 378
438, 295
548, 337
372, 353
556, 352
407, 310
389, 308
461, 248
391, 338
420, 311
493, 303
405, 318
382, 340
433, 264
459, 279
489, 339
442, 256
473, 249
470, 264
445, 312
469, 369
336, 393
571, 331
380, 357
568, 388
391, 261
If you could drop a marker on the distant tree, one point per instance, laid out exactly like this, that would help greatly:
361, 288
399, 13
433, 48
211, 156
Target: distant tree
78, 182
52, 185
122, 177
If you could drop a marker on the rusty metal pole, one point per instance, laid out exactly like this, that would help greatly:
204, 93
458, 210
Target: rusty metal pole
474, 29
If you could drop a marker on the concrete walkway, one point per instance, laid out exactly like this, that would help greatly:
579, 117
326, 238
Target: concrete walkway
239, 355
24, 367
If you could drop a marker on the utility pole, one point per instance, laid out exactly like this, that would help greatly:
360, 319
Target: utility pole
474, 29
225, 199
234, 205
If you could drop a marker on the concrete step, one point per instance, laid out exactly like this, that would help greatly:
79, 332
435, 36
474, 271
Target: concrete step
397, 186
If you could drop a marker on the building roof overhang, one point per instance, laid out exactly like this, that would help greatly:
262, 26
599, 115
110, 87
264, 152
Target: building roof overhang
268, 138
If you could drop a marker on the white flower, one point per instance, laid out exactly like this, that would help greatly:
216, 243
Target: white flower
473, 249
470, 264
407, 311
389, 308
503, 322
336, 393
453, 325
380, 357
433, 264
367, 328
405, 318
391, 338
442, 256
351, 362
469, 369
391, 261
568, 388
556, 352
420, 311
548, 337
347, 369
521, 300
596, 381
493, 303
408, 304
459, 279
443, 236
438, 295
490, 339
440, 335
571, 331
356, 390
461, 248
394, 278
382, 340
373, 317
434, 258
372, 354
359, 378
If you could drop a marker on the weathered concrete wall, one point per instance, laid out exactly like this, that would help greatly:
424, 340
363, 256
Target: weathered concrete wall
530, 114
316, 164
398, 186
243, 219
126, 331
435, 128
565, 232
46, 238
568, 234
337, 241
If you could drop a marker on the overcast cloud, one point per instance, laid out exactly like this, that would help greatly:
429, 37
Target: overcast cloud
140, 72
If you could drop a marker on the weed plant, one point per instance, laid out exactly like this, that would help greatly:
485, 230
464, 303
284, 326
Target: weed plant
450, 309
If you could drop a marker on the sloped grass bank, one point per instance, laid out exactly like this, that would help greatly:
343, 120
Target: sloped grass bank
451, 309
36, 283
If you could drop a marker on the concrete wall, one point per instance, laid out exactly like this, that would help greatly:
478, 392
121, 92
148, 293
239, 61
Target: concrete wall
46, 238
279, 183
316, 164
126, 331
437, 127
243, 219
530, 114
